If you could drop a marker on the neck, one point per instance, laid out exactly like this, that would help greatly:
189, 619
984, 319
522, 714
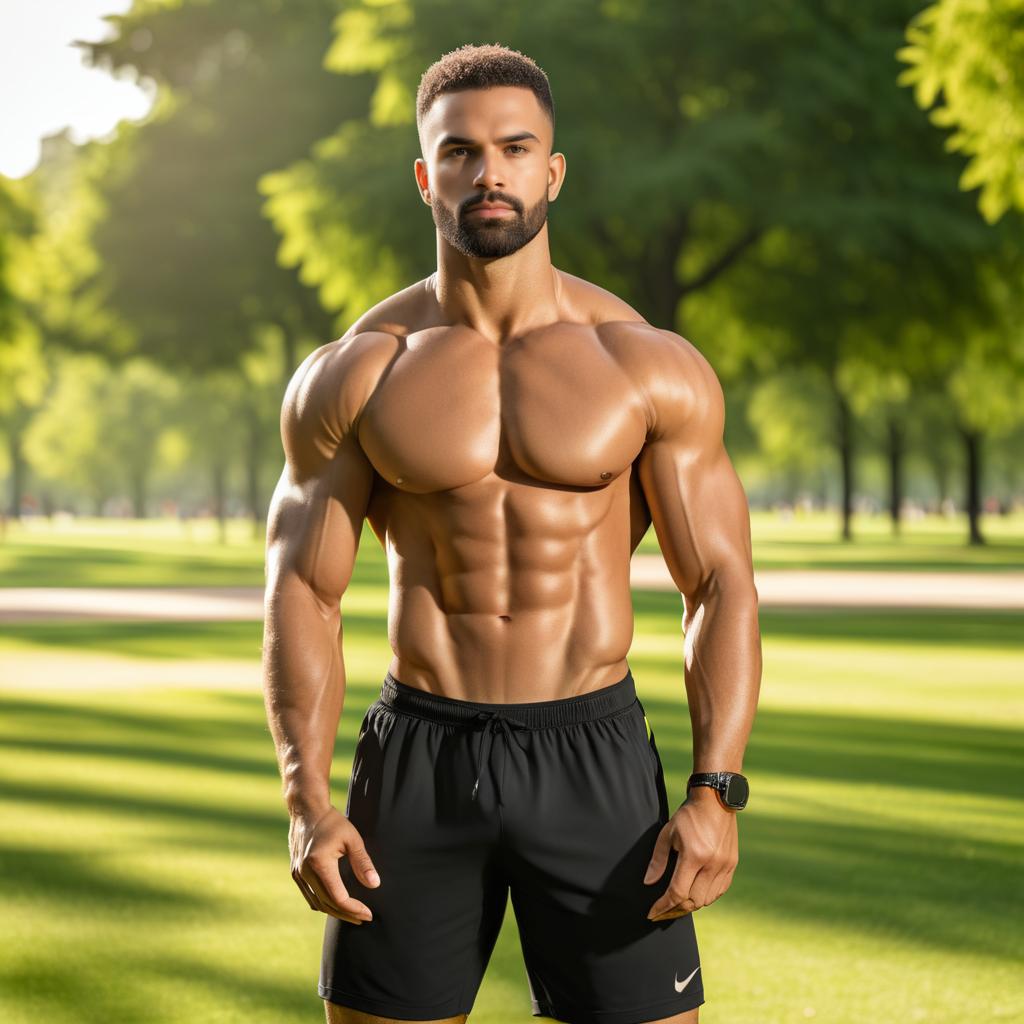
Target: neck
499, 298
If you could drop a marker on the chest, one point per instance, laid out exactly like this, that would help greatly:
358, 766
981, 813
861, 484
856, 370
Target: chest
554, 406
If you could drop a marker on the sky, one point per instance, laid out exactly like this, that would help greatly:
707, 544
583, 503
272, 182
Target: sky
46, 86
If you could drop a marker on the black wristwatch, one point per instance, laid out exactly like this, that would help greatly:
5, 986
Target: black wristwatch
732, 787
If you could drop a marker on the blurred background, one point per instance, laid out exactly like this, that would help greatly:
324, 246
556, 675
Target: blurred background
826, 198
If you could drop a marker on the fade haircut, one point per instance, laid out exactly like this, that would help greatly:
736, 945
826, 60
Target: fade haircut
482, 67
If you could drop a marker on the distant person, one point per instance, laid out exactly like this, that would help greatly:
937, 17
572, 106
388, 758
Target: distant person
510, 432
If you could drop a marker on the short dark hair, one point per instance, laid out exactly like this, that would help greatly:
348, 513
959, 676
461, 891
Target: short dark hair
482, 67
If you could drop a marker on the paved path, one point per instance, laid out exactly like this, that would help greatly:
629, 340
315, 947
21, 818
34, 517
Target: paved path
775, 587
89, 671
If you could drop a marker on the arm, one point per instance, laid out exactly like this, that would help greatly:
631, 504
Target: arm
313, 528
702, 521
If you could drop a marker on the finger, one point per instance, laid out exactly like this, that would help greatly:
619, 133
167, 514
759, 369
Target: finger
719, 885
329, 889
674, 913
362, 866
304, 888
704, 884
723, 881
659, 858
679, 887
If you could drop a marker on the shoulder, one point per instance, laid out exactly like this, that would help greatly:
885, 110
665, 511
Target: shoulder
589, 303
679, 385
329, 389
402, 313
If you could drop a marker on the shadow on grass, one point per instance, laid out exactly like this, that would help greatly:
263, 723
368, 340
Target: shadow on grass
915, 882
140, 985
939, 627
169, 640
74, 565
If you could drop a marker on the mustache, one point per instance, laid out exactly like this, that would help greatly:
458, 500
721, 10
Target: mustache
496, 197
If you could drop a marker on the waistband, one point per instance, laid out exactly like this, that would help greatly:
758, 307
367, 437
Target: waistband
540, 714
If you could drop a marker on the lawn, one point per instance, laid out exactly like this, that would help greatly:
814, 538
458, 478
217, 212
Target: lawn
165, 552
144, 865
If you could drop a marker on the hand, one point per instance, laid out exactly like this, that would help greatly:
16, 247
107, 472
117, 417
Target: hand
703, 831
316, 843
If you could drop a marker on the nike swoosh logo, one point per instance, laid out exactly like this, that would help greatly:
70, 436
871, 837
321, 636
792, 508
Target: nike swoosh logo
680, 985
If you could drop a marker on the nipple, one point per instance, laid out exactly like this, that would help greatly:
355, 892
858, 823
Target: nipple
398, 479
605, 475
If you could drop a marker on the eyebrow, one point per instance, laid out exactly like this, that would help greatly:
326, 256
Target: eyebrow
455, 140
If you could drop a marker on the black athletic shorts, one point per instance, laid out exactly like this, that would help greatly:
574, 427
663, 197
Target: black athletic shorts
460, 803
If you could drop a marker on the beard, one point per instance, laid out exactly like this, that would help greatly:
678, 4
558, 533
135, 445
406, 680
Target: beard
490, 238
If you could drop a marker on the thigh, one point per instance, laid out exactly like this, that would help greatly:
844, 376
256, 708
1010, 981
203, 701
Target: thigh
577, 859
442, 897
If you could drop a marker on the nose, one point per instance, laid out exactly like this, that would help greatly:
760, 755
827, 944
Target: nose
488, 173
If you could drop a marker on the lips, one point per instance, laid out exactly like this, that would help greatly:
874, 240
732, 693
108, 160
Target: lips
490, 209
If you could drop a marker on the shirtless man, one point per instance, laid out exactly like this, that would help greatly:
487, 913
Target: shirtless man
510, 432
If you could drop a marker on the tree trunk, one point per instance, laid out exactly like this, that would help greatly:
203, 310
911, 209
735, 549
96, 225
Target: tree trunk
845, 441
896, 452
252, 472
139, 495
17, 471
941, 472
220, 487
972, 445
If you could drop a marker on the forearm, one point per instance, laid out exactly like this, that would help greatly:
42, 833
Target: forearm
723, 669
304, 690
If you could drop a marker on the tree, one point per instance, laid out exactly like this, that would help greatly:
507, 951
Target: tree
188, 260
965, 62
757, 167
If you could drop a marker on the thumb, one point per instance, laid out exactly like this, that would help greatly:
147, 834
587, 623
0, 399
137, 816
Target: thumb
656, 867
361, 863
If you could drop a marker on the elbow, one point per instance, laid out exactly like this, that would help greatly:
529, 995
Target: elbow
728, 582
293, 590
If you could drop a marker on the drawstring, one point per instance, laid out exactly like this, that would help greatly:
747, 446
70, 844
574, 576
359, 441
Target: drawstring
494, 720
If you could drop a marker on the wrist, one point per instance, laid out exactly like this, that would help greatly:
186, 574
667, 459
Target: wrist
307, 803
703, 795
731, 789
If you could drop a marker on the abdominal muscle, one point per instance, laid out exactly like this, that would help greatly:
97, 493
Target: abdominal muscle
508, 593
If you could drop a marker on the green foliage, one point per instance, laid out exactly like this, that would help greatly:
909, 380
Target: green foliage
790, 411
188, 260
99, 432
966, 65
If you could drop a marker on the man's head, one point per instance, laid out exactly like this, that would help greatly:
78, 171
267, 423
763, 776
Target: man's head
486, 123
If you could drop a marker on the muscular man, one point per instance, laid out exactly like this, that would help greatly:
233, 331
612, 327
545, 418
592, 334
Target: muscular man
510, 432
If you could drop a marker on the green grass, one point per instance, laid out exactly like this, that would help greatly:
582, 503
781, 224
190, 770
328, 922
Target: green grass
931, 544
164, 552
144, 860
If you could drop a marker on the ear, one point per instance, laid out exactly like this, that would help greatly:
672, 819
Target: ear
419, 169
556, 175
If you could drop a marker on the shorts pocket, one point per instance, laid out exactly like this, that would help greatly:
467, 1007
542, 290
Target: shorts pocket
648, 739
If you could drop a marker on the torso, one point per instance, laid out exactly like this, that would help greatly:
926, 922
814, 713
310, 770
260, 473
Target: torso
505, 496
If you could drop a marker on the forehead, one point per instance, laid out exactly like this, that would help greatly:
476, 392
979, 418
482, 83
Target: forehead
485, 113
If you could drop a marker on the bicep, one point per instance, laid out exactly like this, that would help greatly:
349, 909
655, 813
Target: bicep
697, 503
315, 521
699, 511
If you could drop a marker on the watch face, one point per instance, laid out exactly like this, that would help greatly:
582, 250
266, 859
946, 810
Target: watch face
737, 791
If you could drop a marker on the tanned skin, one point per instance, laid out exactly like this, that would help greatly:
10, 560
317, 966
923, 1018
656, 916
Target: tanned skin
510, 432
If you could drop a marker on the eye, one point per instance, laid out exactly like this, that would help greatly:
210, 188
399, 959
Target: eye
515, 145
452, 152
